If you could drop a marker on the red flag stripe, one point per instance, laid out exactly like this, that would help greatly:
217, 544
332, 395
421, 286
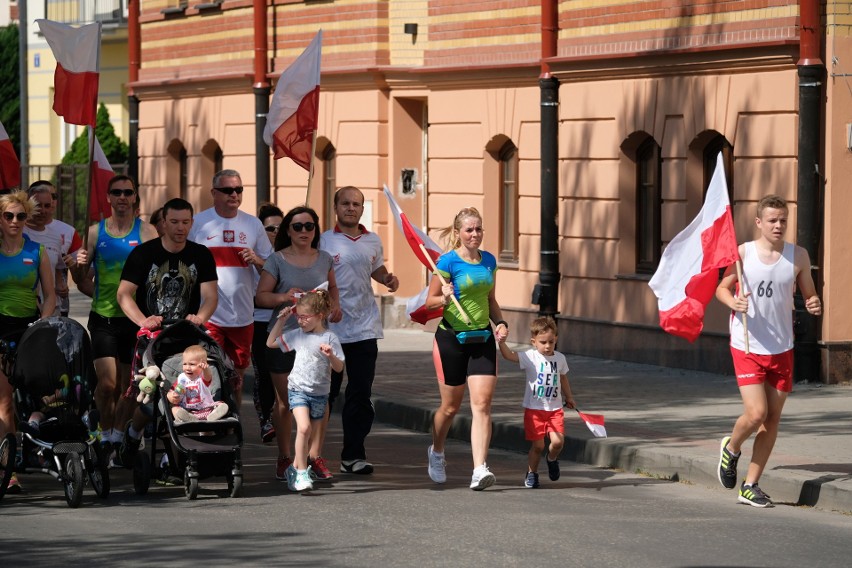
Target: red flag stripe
75, 96
294, 138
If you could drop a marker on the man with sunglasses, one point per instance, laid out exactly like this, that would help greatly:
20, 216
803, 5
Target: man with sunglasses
109, 243
59, 239
358, 259
240, 246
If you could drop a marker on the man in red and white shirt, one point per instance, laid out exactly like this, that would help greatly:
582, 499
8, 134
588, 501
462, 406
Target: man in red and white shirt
240, 246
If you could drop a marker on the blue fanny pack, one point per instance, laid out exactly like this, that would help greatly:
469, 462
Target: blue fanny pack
475, 336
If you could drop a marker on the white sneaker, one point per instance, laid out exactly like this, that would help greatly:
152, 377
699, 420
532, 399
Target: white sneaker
437, 467
482, 478
303, 480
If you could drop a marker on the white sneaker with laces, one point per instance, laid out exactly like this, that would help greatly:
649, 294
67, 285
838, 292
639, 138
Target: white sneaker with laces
482, 478
303, 480
437, 467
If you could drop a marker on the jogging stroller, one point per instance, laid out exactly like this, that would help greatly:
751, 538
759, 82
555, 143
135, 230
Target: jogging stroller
51, 371
195, 450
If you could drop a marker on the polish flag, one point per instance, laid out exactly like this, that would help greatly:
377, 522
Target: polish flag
294, 111
75, 81
427, 252
688, 274
102, 173
10, 166
595, 422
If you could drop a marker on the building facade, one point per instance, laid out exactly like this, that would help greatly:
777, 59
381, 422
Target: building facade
440, 100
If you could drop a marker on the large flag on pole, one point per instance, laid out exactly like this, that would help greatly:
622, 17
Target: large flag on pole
77, 52
422, 246
10, 166
294, 111
102, 173
688, 274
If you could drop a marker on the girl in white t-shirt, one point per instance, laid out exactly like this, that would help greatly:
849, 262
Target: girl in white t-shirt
191, 394
318, 351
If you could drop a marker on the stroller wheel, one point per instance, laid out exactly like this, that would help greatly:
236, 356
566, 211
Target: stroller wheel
190, 483
141, 473
98, 469
7, 461
72, 477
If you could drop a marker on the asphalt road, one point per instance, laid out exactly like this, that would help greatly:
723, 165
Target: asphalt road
398, 517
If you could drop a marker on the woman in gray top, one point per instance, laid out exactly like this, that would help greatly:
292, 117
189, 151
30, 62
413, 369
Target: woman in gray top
297, 266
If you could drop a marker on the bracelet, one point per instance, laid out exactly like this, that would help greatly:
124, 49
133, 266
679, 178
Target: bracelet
503, 323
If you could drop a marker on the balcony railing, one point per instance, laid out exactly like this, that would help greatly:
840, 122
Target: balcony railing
87, 11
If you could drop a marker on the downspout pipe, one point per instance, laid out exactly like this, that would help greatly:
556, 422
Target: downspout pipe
134, 55
24, 89
261, 89
546, 292
811, 72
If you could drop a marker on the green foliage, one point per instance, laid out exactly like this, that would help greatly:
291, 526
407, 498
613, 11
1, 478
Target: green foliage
10, 94
114, 148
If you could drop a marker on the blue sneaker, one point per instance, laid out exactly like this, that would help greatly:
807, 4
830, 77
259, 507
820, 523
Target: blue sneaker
531, 480
291, 477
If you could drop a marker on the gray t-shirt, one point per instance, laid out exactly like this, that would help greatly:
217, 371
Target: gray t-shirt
288, 276
311, 372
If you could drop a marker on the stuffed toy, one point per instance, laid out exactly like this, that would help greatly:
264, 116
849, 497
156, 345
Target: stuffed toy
148, 379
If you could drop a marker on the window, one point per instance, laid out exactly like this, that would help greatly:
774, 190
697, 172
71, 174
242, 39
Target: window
508, 158
648, 200
716, 145
176, 171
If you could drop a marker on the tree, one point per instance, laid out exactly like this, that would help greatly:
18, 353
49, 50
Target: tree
10, 86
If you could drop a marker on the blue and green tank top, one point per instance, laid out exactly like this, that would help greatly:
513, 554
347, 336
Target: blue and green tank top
110, 253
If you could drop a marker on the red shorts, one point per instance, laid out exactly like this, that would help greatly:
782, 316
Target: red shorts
756, 369
236, 341
537, 423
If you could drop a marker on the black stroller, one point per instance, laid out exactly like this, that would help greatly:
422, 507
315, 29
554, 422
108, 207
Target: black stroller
195, 450
53, 377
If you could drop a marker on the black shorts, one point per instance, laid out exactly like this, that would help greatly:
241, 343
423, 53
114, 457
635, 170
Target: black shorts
112, 337
278, 361
12, 328
459, 361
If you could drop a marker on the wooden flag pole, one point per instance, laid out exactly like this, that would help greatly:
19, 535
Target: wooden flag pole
434, 268
739, 265
89, 185
311, 168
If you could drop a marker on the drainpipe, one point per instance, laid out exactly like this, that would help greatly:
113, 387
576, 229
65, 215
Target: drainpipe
809, 202
546, 292
134, 55
261, 100
24, 89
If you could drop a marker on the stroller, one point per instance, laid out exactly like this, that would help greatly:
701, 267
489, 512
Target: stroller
51, 371
195, 450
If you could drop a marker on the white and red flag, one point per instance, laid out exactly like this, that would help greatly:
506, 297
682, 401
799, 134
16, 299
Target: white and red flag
10, 166
595, 422
294, 111
688, 274
102, 173
77, 52
422, 246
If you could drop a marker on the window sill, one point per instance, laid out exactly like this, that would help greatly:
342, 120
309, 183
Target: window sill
635, 276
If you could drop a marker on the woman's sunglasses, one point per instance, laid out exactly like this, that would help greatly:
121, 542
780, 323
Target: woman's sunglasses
299, 227
9, 216
271, 228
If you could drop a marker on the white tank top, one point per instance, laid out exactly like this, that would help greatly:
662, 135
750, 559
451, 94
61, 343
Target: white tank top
770, 305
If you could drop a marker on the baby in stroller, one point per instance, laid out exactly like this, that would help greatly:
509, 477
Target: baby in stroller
190, 395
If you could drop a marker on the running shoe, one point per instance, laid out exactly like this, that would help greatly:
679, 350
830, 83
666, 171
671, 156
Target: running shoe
359, 467
14, 485
126, 455
437, 466
291, 477
531, 480
319, 470
727, 465
303, 480
552, 469
754, 496
267, 432
281, 466
482, 478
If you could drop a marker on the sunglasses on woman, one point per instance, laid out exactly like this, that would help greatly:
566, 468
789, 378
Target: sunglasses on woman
9, 216
299, 227
271, 228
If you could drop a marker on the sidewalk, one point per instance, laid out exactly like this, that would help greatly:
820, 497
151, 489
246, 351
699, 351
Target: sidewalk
660, 421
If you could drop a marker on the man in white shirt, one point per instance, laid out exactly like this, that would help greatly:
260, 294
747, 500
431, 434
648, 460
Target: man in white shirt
240, 246
358, 258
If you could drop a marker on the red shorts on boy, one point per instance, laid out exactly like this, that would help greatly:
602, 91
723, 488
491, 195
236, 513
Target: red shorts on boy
537, 423
756, 369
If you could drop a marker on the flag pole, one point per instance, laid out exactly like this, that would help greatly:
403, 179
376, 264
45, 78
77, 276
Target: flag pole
739, 265
89, 184
434, 268
311, 168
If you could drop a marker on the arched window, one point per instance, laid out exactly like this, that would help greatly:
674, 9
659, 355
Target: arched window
177, 170
648, 206
508, 158
711, 152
